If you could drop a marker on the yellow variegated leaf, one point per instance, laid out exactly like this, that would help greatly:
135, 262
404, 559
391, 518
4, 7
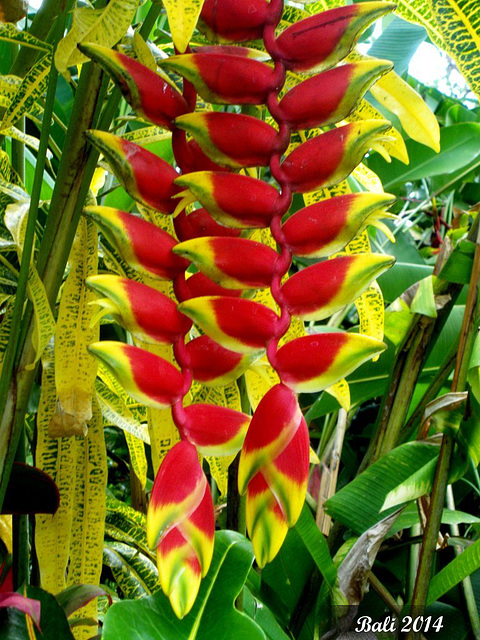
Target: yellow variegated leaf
9, 85
323, 5
5, 329
341, 392
116, 412
16, 134
369, 305
16, 215
57, 457
182, 18
98, 26
227, 396
163, 434
417, 119
44, 326
368, 178
138, 460
259, 379
31, 88
88, 525
143, 53
396, 145
459, 23
98, 180
6, 531
420, 12
76, 369
291, 15
147, 135
10, 33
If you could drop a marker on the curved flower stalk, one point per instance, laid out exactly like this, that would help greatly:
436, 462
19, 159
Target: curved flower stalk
210, 148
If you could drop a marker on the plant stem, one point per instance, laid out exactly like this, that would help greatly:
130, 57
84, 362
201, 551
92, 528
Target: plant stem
430, 536
466, 582
9, 439
431, 393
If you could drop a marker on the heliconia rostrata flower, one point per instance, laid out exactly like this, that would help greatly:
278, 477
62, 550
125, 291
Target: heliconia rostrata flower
217, 202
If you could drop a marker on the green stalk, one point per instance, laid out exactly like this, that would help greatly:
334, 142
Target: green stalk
409, 361
68, 201
467, 588
432, 528
7, 436
431, 393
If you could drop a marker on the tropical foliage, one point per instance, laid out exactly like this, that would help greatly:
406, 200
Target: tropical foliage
239, 266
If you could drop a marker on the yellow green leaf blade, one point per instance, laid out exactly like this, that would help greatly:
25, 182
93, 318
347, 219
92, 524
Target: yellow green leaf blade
31, 88
420, 12
44, 321
88, 525
138, 460
459, 24
417, 119
76, 369
10, 33
182, 18
103, 26
57, 457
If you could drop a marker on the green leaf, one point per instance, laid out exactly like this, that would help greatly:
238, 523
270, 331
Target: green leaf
317, 545
401, 475
458, 267
134, 572
262, 615
462, 566
53, 621
424, 299
409, 517
398, 42
459, 145
125, 524
10, 33
213, 615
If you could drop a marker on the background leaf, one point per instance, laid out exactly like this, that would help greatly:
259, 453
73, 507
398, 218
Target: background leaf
213, 615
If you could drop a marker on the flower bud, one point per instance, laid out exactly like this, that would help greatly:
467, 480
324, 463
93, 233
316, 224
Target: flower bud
237, 324
215, 431
140, 243
231, 139
146, 92
325, 227
314, 362
199, 285
273, 470
226, 79
233, 20
340, 150
200, 223
213, 365
319, 291
330, 96
145, 176
146, 377
233, 200
320, 41
237, 263
146, 313
181, 526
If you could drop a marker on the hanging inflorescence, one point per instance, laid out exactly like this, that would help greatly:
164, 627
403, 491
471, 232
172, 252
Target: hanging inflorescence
214, 153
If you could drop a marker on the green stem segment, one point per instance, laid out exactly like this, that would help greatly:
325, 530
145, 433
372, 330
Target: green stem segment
430, 536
